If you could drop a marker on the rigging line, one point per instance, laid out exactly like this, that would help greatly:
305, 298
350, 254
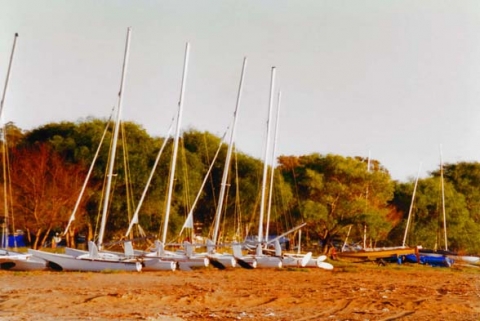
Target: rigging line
128, 181
134, 220
5, 186
165, 186
224, 214
185, 188
411, 206
10, 193
90, 171
212, 188
186, 179
4, 241
125, 167
104, 183
238, 210
281, 200
207, 176
299, 204
443, 200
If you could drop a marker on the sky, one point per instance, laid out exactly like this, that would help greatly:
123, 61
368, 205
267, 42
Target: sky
396, 80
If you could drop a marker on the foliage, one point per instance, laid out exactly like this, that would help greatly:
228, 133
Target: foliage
333, 194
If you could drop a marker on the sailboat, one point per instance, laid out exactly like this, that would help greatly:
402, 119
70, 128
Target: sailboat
288, 259
429, 257
11, 260
95, 260
262, 259
449, 254
443, 257
228, 259
395, 253
158, 258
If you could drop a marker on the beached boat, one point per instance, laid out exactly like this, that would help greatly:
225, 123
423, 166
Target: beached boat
15, 261
91, 261
129, 255
259, 258
378, 253
429, 259
11, 260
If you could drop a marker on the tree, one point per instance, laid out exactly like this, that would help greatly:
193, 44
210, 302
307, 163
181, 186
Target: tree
44, 190
335, 192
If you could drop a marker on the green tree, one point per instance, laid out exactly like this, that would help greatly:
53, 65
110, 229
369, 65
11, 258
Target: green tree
335, 192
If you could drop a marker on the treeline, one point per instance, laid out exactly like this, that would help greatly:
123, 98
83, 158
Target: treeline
336, 196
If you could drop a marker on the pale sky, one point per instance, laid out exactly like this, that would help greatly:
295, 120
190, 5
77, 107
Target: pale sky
395, 79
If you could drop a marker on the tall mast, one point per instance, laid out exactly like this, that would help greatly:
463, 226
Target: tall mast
175, 146
4, 147
226, 168
114, 144
411, 207
265, 164
270, 191
443, 200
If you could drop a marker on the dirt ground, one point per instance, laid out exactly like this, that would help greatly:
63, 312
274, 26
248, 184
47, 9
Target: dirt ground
352, 291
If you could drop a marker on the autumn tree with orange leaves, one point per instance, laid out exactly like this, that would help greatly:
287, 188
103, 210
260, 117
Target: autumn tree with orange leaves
44, 191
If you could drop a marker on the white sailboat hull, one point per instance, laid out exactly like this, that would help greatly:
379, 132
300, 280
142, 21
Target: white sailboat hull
465, 258
148, 263
296, 260
64, 262
319, 263
158, 264
265, 261
182, 260
226, 259
20, 262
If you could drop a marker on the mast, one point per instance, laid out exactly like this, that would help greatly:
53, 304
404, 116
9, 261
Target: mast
226, 168
87, 178
270, 191
366, 206
175, 146
411, 206
4, 147
8, 73
443, 200
114, 144
265, 164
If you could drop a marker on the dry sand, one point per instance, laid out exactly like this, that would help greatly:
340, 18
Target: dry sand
350, 292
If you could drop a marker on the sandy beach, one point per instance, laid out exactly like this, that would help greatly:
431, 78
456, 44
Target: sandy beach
349, 292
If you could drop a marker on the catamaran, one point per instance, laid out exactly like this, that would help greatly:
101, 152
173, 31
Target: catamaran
94, 260
11, 260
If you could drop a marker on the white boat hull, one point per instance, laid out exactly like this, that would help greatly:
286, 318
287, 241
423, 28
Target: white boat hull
158, 264
296, 260
465, 259
20, 262
183, 261
265, 261
148, 263
64, 262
